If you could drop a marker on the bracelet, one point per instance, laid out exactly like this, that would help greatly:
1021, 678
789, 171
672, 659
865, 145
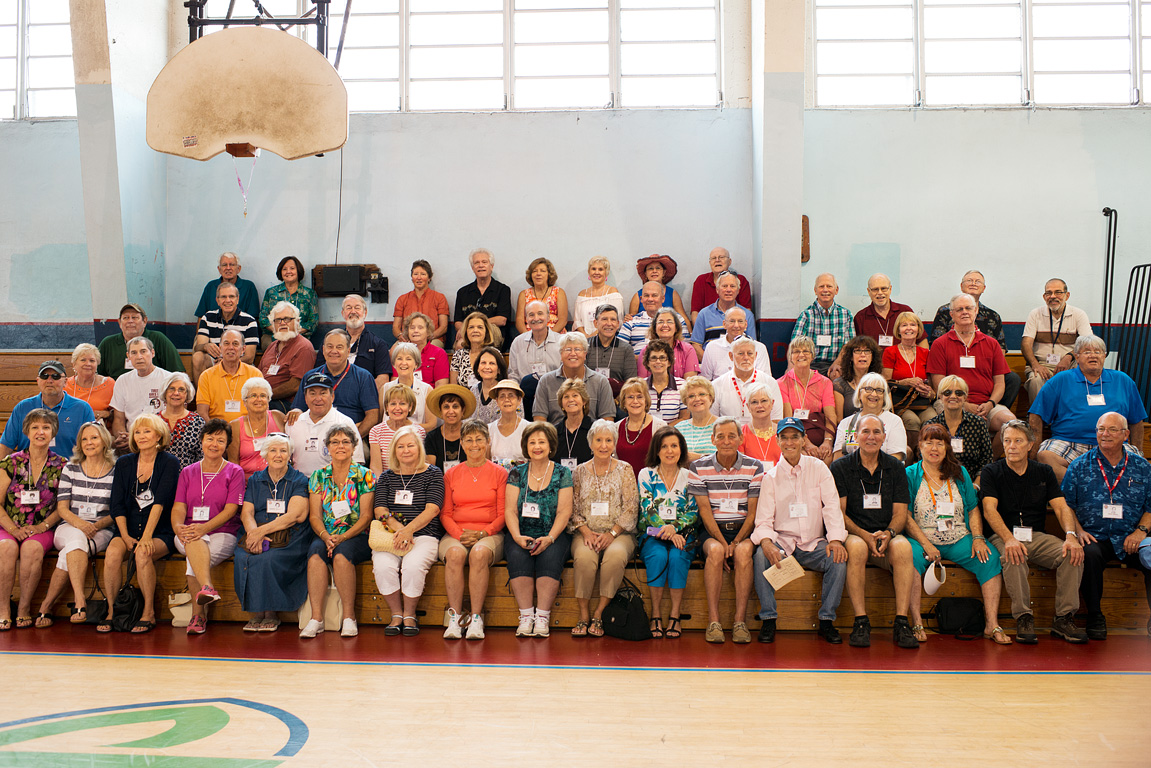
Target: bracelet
979, 538
1072, 533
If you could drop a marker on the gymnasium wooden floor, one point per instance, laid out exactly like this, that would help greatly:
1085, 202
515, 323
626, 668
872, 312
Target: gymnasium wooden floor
229, 699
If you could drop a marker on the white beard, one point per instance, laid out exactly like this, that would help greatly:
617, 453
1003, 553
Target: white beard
284, 336
354, 325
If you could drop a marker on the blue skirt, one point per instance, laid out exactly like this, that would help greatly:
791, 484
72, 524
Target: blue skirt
275, 580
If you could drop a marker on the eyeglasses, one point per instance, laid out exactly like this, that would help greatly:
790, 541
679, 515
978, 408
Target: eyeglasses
1109, 430
956, 392
283, 319
873, 390
1049, 294
52, 376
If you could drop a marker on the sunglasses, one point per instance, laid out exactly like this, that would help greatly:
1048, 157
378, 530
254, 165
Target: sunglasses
52, 376
956, 392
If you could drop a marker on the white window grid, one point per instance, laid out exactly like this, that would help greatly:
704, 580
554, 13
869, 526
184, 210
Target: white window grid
1071, 53
36, 75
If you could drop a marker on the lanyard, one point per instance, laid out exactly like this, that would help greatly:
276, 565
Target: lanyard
203, 485
1087, 384
571, 438
795, 387
1112, 486
275, 488
880, 489
946, 483
347, 367
1051, 327
885, 330
738, 391
599, 357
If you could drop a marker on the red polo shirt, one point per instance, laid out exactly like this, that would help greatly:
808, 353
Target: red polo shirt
703, 293
869, 323
294, 359
944, 357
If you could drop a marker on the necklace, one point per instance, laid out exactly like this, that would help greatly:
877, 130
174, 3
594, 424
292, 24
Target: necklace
669, 484
540, 480
627, 432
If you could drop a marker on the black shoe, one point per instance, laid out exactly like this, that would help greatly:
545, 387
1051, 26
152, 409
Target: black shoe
901, 633
1096, 626
767, 631
860, 633
1025, 630
1064, 627
829, 633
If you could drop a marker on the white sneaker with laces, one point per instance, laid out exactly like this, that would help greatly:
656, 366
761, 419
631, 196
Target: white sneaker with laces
476, 628
312, 628
526, 626
349, 628
542, 626
453, 630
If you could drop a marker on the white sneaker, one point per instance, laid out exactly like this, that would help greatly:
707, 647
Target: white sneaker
527, 626
453, 630
349, 628
476, 628
312, 628
542, 628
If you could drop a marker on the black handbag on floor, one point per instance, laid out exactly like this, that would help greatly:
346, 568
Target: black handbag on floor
128, 606
625, 616
96, 609
959, 616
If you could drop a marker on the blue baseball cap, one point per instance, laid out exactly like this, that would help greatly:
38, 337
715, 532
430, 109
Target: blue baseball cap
318, 379
790, 423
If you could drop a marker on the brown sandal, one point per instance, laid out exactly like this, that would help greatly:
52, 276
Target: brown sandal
596, 628
580, 629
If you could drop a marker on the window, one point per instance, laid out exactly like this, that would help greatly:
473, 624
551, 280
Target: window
36, 76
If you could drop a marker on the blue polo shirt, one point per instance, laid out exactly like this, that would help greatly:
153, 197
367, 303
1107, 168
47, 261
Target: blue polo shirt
71, 411
1085, 492
355, 392
1062, 403
709, 324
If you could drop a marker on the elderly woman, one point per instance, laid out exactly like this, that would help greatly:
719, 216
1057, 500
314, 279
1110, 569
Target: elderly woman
699, 395
29, 481
590, 299
452, 404
684, 361
87, 384
573, 427
759, 438
473, 520
271, 571
422, 300
208, 497
659, 269
860, 356
604, 503
905, 367
488, 369
970, 437
507, 431
635, 430
541, 278
478, 335
398, 402
663, 390
183, 424
84, 503
406, 359
871, 398
143, 492
434, 365
340, 508
290, 273
809, 396
250, 431
408, 499
944, 521
537, 507
670, 516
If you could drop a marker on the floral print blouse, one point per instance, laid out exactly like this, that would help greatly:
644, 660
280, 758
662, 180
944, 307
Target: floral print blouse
659, 506
304, 299
18, 467
360, 481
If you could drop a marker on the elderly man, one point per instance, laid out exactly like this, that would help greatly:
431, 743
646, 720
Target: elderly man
726, 487
717, 355
137, 391
1072, 401
71, 413
206, 348
829, 324
798, 515
218, 389
114, 349
368, 351
308, 432
229, 269
705, 291
873, 497
1016, 491
710, 320
484, 294
354, 389
973, 356
1050, 334
634, 331
288, 357
877, 319
607, 354
573, 354
986, 319
730, 387
1109, 489
536, 350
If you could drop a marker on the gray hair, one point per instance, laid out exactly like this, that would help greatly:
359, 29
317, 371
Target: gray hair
346, 431
606, 308
180, 376
864, 416
1021, 426
723, 275
222, 287
958, 296
285, 305
737, 311
256, 382
574, 337
340, 332
755, 389
796, 343
225, 255
602, 426
724, 420
1090, 341
409, 349
475, 427
355, 297
141, 340
872, 380
744, 341
533, 302
276, 438
478, 251
1121, 417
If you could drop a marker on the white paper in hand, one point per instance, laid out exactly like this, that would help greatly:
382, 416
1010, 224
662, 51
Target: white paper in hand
786, 571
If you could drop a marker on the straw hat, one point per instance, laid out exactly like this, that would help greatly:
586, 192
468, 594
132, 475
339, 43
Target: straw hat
432, 404
669, 266
507, 384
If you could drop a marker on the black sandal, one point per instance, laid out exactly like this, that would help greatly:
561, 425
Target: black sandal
141, 627
673, 628
657, 628
104, 626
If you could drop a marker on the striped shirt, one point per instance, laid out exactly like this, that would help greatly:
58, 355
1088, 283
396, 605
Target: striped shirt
213, 325
85, 494
740, 483
426, 487
698, 438
666, 405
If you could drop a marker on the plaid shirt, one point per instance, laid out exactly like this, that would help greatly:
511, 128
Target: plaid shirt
816, 321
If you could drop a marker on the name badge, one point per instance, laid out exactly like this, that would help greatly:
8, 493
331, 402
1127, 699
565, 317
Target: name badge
277, 506
945, 509
29, 497
273, 369
127, 364
145, 498
1112, 511
341, 508
729, 505
312, 444
1096, 399
1053, 358
569, 463
797, 509
403, 497
801, 413
200, 514
532, 510
823, 340
667, 514
352, 359
872, 501
1022, 532
87, 512
967, 361
599, 508
539, 369
886, 341
605, 372
258, 443
52, 443
944, 524
418, 376
957, 444
449, 464
231, 406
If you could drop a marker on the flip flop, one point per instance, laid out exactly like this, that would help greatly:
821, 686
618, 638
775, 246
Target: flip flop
5, 625
43, 621
253, 625
998, 636
23, 622
79, 616
920, 633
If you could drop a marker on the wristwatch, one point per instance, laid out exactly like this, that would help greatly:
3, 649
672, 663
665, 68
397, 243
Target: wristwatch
891, 533
1143, 528
613, 533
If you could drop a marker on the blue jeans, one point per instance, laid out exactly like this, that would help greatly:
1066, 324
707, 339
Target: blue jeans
834, 577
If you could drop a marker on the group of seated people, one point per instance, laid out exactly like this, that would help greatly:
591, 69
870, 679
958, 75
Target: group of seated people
674, 415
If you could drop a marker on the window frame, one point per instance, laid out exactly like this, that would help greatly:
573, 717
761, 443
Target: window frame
21, 89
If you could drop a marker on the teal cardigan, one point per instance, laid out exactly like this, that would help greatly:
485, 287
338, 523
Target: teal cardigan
966, 489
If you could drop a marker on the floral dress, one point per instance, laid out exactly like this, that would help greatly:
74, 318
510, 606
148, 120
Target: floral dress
18, 467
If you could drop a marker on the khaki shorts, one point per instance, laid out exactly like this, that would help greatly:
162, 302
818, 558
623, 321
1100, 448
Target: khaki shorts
494, 543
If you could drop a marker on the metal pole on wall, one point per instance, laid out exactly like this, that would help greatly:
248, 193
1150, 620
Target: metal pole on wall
1109, 271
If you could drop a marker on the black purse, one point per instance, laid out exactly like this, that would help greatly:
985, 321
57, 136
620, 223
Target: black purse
625, 616
128, 606
959, 616
96, 610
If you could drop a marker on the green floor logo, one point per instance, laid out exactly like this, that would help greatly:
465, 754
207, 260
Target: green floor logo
37, 741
